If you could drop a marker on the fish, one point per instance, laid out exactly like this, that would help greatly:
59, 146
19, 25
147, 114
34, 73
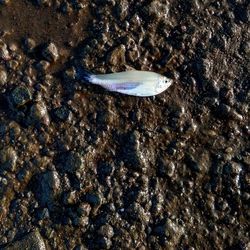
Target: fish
132, 82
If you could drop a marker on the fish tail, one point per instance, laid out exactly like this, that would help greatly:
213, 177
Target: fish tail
82, 74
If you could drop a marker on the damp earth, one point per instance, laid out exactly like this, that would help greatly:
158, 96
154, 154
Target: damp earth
84, 168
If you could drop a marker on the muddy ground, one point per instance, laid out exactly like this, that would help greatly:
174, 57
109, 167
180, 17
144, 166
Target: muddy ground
84, 168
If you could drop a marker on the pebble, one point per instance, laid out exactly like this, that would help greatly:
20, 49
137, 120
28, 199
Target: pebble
43, 65
30, 241
62, 113
29, 45
165, 168
20, 96
106, 231
50, 52
72, 162
47, 187
3, 77
4, 1
122, 9
4, 53
39, 114
117, 56
69, 198
8, 159
156, 10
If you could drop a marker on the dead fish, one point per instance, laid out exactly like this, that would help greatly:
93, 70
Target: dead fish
133, 82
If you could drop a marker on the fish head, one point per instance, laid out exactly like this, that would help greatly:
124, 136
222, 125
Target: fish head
163, 83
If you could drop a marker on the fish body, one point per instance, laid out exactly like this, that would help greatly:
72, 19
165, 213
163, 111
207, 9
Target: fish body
133, 82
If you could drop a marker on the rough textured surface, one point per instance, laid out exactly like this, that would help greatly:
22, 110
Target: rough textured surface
84, 168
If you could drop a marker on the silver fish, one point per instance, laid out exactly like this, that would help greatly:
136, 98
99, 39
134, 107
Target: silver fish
134, 82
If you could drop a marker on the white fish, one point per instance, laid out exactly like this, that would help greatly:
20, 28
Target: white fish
134, 82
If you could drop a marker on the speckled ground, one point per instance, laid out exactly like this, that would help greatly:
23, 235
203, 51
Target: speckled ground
83, 168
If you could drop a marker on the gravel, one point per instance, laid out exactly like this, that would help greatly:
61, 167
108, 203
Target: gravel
84, 168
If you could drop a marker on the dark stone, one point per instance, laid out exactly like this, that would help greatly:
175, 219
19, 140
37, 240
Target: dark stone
31, 241
8, 159
61, 113
93, 199
20, 96
47, 188
50, 52
39, 114
71, 162
106, 231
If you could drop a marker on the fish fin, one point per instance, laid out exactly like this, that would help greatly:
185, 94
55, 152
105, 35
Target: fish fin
127, 86
82, 74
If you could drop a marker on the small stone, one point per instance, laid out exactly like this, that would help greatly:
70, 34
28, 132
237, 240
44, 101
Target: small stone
156, 10
117, 56
3, 77
165, 168
69, 198
103, 243
31, 241
62, 113
122, 9
223, 111
13, 64
8, 159
93, 199
47, 187
29, 45
133, 55
246, 48
43, 2
39, 113
192, 164
43, 65
84, 210
4, 53
3, 129
50, 52
72, 162
20, 96
106, 231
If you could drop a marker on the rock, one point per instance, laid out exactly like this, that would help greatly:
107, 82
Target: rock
117, 56
122, 9
84, 210
69, 198
39, 114
156, 10
192, 164
103, 243
13, 64
71, 162
43, 2
3, 129
3, 77
165, 168
106, 231
50, 52
4, 53
29, 45
31, 241
20, 96
246, 48
43, 65
8, 159
47, 187
223, 111
62, 113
